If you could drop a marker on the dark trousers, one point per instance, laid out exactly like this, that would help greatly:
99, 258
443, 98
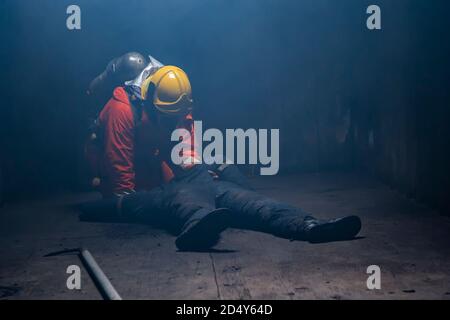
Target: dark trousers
195, 193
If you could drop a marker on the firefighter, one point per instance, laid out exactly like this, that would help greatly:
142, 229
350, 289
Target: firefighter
196, 201
128, 150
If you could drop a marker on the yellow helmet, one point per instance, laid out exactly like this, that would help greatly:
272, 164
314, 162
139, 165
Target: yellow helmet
172, 94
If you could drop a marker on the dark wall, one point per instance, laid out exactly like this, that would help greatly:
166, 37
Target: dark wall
343, 97
400, 120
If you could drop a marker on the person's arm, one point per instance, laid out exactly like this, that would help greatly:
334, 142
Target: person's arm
192, 157
119, 149
186, 142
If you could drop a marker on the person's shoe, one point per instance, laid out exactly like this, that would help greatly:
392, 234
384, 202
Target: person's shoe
204, 233
332, 230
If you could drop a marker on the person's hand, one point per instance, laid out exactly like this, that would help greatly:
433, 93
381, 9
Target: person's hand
213, 174
124, 193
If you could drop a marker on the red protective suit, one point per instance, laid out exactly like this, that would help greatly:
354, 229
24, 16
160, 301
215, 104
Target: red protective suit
135, 154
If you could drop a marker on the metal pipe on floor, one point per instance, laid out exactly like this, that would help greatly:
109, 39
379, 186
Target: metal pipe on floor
101, 281
98, 276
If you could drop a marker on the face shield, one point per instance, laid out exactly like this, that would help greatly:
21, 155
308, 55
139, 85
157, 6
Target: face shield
135, 85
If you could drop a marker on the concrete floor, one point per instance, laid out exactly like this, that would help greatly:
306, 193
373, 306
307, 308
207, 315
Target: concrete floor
409, 242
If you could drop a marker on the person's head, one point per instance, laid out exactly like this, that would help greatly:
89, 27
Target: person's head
169, 90
118, 70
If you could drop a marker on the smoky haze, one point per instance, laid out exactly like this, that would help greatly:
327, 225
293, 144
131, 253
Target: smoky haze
342, 96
